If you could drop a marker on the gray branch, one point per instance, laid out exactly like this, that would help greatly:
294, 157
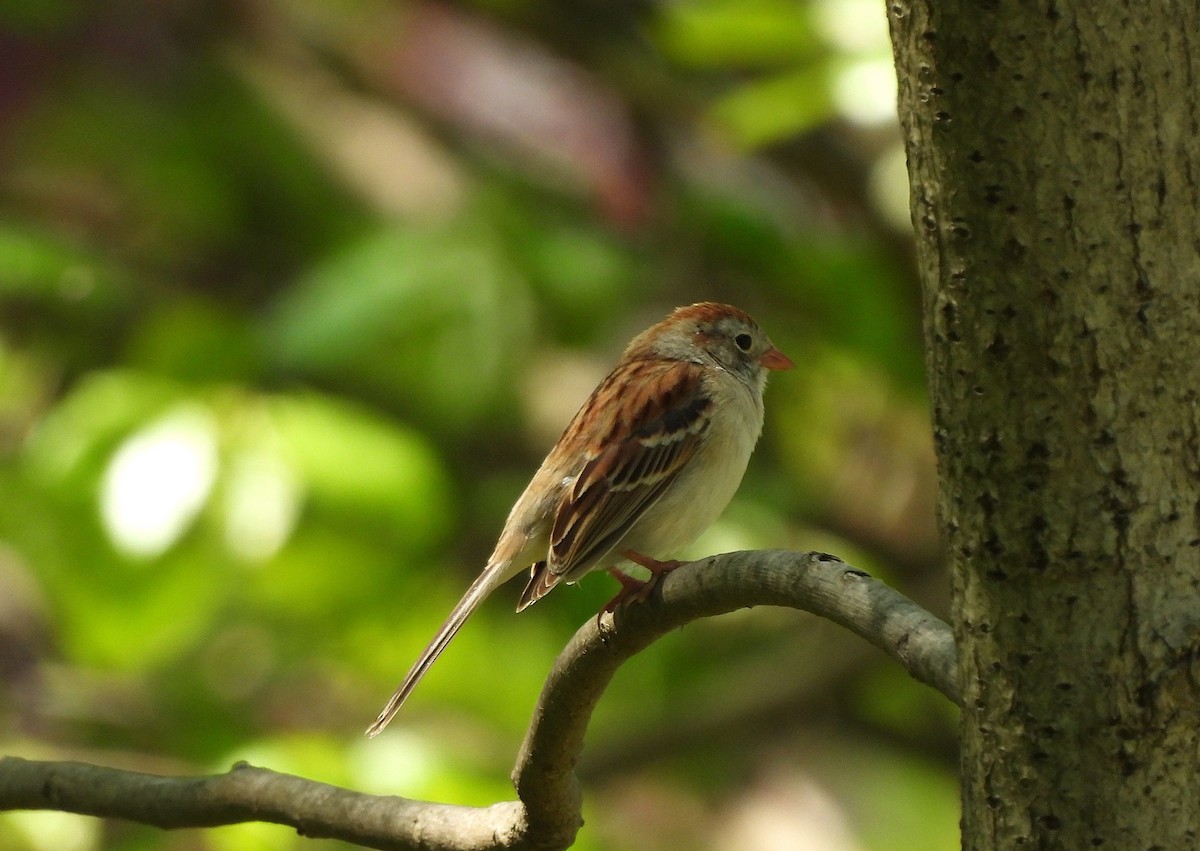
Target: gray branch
547, 812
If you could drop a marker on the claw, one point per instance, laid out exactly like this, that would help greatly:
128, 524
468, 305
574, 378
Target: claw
632, 590
635, 590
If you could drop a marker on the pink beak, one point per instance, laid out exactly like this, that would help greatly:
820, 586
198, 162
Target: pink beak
775, 359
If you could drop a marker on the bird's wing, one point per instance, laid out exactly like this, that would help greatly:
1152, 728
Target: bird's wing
642, 441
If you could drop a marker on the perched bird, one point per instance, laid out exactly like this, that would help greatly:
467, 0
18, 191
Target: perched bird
647, 464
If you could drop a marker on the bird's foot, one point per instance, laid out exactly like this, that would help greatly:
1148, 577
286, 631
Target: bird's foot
636, 590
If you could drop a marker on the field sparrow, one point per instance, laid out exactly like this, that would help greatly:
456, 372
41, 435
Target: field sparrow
649, 462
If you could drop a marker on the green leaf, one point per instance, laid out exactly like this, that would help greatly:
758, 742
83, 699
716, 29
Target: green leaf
433, 316
359, 465
768, 110
721, 33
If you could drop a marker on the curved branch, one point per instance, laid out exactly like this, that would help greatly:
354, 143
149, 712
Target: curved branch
547, 814
815, 582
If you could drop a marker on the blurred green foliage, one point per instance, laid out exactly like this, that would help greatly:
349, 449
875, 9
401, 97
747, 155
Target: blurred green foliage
286, 322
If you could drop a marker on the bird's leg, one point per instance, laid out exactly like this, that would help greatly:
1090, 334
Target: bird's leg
656, 567
631, 590
635, 590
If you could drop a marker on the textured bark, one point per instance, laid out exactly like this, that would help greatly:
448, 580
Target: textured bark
1054, 153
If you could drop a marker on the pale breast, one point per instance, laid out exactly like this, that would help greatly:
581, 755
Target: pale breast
705, 487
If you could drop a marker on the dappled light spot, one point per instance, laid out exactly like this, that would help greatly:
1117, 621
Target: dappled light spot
261, 504
158, 481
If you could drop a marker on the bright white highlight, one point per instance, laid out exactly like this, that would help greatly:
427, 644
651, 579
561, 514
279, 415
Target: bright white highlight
261, 505
865, 91
158, 481
853, 26
50, 831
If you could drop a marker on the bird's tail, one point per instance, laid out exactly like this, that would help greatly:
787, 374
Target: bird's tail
541, 581
487, 581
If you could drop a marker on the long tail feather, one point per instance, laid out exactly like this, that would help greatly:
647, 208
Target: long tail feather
487, 581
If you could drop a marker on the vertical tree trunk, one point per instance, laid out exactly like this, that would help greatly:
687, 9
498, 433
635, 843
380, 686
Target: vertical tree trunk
1054, 152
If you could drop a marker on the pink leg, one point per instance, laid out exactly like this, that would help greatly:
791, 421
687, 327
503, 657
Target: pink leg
658, 568
635, 590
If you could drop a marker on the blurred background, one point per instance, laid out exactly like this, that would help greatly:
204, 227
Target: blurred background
294, 296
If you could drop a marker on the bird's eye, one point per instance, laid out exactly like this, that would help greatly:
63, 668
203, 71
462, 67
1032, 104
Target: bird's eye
744, 342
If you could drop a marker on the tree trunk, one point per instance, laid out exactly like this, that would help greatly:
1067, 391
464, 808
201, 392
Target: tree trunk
1054, 153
